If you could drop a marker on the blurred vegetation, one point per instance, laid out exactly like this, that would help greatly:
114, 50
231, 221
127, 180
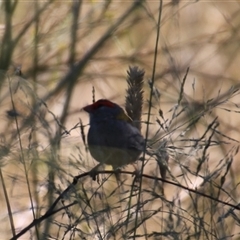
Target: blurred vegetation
56, 55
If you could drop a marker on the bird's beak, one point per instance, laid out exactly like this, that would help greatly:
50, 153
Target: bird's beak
87, 108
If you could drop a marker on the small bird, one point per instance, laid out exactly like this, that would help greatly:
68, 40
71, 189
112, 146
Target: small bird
112, 138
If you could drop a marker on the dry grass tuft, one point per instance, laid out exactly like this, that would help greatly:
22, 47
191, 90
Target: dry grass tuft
134, 95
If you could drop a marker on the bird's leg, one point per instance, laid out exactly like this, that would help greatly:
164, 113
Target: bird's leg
136, 172
94, 174
117, 172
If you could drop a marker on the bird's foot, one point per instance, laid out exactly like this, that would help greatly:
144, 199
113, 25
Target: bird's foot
137, 174
117, 172
94, 173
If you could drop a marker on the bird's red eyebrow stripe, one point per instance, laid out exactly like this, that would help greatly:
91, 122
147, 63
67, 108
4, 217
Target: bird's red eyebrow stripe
96, 105
102, 102
105, 102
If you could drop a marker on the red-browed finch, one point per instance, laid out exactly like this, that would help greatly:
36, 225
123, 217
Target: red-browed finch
112, 138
